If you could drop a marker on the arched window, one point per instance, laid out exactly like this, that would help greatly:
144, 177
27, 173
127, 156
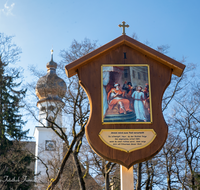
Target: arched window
51, 108
43, 109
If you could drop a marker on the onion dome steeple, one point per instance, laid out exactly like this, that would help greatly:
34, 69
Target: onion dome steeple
51, 66
50, 87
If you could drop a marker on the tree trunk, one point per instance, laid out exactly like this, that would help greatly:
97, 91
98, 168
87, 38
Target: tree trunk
139, 174
192, 176
79, 172
107, 182
168, 182
152, 176
148, 176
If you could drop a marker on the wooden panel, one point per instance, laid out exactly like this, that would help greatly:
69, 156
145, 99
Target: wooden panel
90, 79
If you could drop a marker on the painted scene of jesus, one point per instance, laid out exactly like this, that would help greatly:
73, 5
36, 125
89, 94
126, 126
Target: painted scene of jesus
126, 94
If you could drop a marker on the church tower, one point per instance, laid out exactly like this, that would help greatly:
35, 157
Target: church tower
50, 90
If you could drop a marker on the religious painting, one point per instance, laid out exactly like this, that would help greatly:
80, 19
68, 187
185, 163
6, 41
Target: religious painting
126, 94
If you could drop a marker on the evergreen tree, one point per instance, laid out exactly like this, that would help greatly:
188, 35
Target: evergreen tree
14, 159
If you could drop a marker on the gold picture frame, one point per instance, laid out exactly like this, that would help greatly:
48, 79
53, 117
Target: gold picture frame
126, 94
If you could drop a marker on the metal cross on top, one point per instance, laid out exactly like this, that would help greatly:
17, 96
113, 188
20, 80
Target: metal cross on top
123, 25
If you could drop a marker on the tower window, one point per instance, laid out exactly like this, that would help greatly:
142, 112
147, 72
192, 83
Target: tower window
50, 121
42, 109
51, 108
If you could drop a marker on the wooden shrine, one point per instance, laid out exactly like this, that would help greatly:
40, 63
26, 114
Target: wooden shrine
125, 81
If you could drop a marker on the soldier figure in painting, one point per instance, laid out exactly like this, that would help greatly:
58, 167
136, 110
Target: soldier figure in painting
129, 91
128, 88
147, 103
139, 109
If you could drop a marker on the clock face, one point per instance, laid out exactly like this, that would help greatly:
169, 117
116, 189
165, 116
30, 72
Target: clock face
50, 145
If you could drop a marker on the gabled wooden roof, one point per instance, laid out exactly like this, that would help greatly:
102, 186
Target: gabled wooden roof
177, 67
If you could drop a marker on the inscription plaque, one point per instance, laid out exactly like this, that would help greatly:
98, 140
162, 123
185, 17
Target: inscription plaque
127, 140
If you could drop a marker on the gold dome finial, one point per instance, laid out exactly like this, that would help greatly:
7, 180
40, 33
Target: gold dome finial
52, 54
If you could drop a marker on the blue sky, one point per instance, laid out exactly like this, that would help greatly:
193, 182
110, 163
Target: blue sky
40, 25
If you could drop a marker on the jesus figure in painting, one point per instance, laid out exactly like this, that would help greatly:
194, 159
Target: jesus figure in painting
116, 96
138, 97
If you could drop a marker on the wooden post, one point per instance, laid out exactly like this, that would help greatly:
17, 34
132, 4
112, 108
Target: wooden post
126, 176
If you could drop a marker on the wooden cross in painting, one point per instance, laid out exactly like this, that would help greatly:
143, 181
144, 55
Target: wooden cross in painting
124, 26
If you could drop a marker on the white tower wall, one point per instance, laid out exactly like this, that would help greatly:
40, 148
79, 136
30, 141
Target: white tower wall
50, 90
43, 136
50, 110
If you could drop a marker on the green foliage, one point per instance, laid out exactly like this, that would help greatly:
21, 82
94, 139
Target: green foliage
10, 99
13, 157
